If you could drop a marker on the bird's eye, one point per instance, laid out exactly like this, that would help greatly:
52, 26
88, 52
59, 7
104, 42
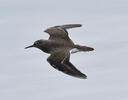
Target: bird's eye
37, 43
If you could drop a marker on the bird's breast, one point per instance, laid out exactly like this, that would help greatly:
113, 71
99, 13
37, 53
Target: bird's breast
45, 49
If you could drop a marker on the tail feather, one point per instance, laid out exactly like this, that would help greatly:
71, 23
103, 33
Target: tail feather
83, 48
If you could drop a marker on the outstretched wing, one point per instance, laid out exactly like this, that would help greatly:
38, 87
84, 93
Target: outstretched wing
68, 26
60, 31
60, 61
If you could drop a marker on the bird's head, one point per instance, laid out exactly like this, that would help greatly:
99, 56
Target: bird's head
36, 44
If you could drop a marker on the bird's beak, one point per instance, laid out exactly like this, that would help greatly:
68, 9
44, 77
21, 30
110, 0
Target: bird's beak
29, 46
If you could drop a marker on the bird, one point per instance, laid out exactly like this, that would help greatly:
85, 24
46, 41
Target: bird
60, 47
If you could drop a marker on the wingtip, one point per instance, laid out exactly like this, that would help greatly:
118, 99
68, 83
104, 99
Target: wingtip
83, 76
76, 25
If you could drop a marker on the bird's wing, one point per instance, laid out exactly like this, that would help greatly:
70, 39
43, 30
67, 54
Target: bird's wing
68, 26
60, 31
60, 61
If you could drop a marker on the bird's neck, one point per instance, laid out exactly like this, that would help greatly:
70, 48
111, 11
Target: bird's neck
45, 47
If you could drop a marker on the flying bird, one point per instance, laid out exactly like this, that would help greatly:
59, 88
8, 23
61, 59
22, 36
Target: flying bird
59, 46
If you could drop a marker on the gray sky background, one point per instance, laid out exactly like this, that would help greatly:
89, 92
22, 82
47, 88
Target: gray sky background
26, 75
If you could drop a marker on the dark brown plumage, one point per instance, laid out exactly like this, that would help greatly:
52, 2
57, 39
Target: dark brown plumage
59, 45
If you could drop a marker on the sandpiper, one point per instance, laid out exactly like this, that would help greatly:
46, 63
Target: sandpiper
59, 46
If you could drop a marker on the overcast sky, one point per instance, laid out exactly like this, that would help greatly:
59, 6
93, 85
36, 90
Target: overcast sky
26, 75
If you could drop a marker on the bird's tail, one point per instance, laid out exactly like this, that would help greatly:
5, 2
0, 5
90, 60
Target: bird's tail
82, 48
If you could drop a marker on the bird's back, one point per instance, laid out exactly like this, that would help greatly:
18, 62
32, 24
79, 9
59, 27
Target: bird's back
49, 46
